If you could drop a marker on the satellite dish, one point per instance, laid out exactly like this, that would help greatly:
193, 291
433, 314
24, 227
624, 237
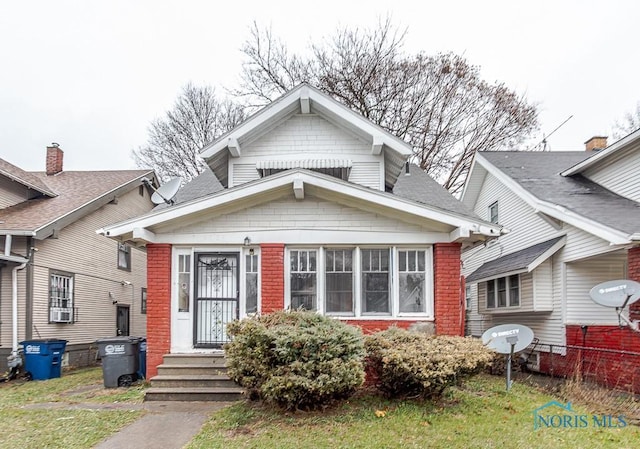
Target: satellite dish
618, 294
166, 192
508, 339
501, 338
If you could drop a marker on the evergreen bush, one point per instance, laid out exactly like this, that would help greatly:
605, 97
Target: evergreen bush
296, 359
410, 364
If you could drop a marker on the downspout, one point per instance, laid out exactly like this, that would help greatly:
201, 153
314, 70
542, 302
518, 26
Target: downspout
28, 307
14, 360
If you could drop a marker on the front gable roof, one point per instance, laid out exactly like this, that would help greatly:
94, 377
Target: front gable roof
630, 142
305, 99
299, 181
77, 193
28, 180
535, 177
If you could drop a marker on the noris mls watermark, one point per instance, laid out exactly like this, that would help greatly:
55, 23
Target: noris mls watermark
557, 415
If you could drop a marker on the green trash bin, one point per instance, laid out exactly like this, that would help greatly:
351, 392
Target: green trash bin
120, 361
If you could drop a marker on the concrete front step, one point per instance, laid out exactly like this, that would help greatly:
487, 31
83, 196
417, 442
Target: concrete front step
216, 359
192, 381
190, 368
194, 394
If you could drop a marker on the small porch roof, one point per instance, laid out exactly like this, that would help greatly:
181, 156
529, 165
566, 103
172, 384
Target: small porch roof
523, 261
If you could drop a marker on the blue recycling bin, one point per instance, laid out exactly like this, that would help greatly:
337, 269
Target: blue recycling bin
43, 358
142, 359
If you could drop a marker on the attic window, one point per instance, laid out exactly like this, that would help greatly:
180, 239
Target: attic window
338, 168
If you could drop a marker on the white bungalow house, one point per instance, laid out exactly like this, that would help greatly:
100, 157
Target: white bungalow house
306, 204
574, 222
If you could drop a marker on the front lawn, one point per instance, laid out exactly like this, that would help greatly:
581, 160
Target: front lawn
480, 414
29, 417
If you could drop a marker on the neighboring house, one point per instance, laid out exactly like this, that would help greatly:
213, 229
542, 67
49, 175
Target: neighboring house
306, 205
67, 281
574, 222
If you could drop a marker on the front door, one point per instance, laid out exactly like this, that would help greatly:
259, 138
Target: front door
122, 320
216, 297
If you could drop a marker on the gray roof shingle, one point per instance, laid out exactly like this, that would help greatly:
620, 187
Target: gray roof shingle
422, 188
539, 174
517, 261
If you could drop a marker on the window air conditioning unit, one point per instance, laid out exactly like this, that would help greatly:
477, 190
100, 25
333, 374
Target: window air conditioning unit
61, 316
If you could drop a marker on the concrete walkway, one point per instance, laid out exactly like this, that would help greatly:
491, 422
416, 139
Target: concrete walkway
166, 425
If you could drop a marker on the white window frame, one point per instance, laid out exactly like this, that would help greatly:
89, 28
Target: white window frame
428, 282
250, 251
125, 249
319, 277
508, 287
357, 281
494, 206
56, 311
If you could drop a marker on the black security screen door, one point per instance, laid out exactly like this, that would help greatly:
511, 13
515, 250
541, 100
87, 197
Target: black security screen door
216, 297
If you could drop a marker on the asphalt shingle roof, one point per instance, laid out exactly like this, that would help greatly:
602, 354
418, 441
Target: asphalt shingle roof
539, 174
422, 188
25, 178
202, 185
513, 262
73, 190
418, 187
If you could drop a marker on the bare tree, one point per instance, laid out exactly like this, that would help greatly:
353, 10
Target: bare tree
175, 140
629, 123
439, 104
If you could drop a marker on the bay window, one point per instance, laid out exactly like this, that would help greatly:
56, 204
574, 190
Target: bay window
361, 282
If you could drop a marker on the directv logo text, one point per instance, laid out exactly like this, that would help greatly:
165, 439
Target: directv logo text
556, 415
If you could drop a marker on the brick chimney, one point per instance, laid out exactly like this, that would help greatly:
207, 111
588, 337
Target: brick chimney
54, 159
596, 143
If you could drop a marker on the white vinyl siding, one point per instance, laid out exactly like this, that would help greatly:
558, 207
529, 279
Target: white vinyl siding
368, 174
584, 275
309, 137
620, 174
242, 173
289, 214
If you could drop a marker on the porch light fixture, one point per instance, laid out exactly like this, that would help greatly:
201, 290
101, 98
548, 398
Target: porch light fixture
247, 241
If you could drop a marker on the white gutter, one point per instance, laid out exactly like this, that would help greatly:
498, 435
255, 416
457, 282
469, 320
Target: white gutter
14, 309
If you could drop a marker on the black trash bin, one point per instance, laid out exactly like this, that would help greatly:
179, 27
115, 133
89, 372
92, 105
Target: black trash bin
120, 360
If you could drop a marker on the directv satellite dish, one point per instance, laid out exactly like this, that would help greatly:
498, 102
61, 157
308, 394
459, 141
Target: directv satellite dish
166, 192
618, 294
508, 339
500, 338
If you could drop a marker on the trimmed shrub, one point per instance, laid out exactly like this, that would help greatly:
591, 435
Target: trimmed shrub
297, 360
405, 363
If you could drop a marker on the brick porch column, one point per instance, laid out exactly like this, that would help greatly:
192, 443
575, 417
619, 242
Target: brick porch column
449, 312
158, 305
272, 270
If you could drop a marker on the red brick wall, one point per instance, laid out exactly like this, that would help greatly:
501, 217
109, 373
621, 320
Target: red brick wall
371, 326
449, 308
158, 305
272, 268
607, 355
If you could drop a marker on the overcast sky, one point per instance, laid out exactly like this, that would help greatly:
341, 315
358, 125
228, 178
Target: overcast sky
91, 75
